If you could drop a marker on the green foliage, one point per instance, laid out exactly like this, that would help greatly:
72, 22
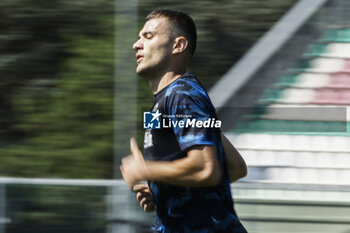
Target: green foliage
72, 134
61, 94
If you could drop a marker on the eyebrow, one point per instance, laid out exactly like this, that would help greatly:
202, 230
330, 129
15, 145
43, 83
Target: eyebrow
147, 32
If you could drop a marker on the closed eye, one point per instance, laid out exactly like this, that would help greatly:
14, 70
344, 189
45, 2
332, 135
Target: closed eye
148, 35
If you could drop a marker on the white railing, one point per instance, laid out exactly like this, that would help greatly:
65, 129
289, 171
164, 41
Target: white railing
122, 211
65, 182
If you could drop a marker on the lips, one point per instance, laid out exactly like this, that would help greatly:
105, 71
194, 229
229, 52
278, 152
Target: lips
139, 58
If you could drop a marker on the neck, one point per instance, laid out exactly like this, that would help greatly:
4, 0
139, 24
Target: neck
163, 80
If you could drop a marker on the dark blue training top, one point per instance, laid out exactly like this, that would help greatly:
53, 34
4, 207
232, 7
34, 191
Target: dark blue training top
186, 209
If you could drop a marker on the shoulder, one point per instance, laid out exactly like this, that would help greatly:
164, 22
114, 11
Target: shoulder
186, 87
187, 96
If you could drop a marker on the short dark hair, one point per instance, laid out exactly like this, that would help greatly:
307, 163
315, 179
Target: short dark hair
182, 22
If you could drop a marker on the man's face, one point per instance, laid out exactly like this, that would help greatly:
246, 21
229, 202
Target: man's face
154, 47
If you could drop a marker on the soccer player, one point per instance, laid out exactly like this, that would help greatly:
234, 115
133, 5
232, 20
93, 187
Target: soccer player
188, 165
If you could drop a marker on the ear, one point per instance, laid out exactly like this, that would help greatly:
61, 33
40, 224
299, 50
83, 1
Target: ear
180, 45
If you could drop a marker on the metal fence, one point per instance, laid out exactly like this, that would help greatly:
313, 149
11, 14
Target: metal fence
62, 205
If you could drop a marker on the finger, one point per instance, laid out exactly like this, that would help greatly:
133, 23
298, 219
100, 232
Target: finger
149, 207
144, 201
135, 149
126, 159
140, 187
125, 177
139, 196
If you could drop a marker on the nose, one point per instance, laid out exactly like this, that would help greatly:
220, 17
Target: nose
137, 45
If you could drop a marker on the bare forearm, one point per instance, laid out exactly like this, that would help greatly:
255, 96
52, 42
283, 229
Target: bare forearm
194, 171
199, 168
175, 174
235, 163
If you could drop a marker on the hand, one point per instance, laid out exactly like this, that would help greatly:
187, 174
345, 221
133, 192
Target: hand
145, 197
133, 166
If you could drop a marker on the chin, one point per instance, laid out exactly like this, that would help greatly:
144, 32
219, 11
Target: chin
142, 72
139, 71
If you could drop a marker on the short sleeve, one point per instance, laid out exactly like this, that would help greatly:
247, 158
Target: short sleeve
189, 103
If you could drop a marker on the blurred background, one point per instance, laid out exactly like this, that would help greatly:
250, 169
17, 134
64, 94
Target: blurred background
278, 73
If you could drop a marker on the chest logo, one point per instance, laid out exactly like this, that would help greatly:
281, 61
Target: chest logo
151, 120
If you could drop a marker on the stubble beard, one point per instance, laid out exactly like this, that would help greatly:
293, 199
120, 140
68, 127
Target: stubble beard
143, 71
151, 72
